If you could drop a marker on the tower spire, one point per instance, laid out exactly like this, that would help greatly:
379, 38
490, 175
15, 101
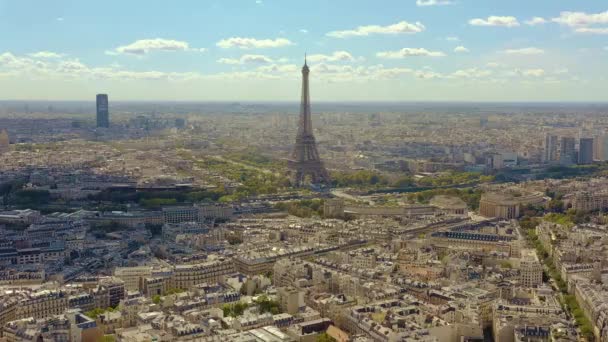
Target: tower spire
305, 160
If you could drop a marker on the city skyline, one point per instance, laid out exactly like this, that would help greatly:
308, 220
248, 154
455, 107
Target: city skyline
415, 50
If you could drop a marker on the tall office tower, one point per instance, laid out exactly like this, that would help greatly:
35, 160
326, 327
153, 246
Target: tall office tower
567, 151
600, 141
5, 141
550, 148
585, 151
305, 160
103, 113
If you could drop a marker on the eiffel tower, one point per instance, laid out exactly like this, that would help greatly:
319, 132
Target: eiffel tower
305, 159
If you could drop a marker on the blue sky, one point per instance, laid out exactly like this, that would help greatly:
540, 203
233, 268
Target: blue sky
400, 50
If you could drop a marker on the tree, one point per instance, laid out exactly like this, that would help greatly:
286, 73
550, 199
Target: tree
302, 208
234, 310
555, 206
267, 305
155, 229
234, 239
403, 182
31, 197
98, 311
506, 264
324, 337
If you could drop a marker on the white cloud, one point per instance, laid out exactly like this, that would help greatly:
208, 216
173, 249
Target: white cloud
73, 68
10, 61
144, 46
592, 30
402, 27
506, 21
525, 51
409, 52
427, 74
252, 43
583, 22
580, 19
259, 2
470, 73
606, 48
25, 67
380, 72
46, 54
532, 72
461, 49
337, 56
536, 21
280, 68
247, 59
494, 65
59, 18
423, 3
303, 31
452, 39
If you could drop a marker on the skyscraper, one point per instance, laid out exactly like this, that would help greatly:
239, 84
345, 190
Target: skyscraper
550, 148
103, 113
305, 160
567, 151
600, 147
5, 141
585, 151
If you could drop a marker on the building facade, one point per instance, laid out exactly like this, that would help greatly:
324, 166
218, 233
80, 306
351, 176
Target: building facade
103, 111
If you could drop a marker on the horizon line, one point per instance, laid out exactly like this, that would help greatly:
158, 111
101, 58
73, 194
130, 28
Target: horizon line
318, 101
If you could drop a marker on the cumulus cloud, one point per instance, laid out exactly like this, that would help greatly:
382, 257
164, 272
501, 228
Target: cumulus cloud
427, 74
525, 51
461, 49
46, 54
252, 43
532, 72
583, 22
592, 30
325, 71
74, 68
380, 72
145, 46
409, 52
580, 19
10, 61
402, 27
505, 21
337, 56
422, 3
452, 39
470, 73
247, 59
494, 65
536, 21
280, 68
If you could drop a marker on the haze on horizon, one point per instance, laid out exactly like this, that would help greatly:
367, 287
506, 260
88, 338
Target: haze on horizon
252, 50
